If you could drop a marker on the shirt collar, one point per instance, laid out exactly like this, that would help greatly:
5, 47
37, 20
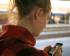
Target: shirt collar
17, 32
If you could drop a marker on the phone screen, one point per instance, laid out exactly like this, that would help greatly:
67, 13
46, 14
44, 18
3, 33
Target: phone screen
57, 44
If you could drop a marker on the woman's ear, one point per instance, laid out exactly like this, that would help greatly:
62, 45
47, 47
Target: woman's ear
38, 13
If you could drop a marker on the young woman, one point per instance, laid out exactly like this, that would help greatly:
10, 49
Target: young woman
17, 37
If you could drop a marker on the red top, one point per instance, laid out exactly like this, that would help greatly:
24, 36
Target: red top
18, 41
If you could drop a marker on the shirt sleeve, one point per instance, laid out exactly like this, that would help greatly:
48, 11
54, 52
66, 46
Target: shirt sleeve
7, 52
45, 54
41, 53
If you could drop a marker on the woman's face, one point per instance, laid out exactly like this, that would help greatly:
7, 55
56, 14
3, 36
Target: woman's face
41, 22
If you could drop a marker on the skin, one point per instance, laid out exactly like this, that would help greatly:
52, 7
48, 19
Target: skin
57, 52
35, 21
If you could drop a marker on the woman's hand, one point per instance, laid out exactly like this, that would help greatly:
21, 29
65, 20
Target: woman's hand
57, 52
48, 48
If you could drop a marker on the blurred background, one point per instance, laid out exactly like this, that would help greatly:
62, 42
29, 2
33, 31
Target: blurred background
57, 29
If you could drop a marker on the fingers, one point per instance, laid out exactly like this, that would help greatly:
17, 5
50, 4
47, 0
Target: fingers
58, 49
57, 52
48, 48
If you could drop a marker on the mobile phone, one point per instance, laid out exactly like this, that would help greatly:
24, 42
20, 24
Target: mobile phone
57, 44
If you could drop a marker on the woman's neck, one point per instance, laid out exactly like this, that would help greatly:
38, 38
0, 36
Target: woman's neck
24, 23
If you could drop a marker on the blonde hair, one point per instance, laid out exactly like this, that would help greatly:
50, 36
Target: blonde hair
24, 7
12, 15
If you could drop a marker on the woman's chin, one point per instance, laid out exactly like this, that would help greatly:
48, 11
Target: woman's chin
36, 35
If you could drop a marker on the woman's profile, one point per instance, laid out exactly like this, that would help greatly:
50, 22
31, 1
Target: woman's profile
18, 35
